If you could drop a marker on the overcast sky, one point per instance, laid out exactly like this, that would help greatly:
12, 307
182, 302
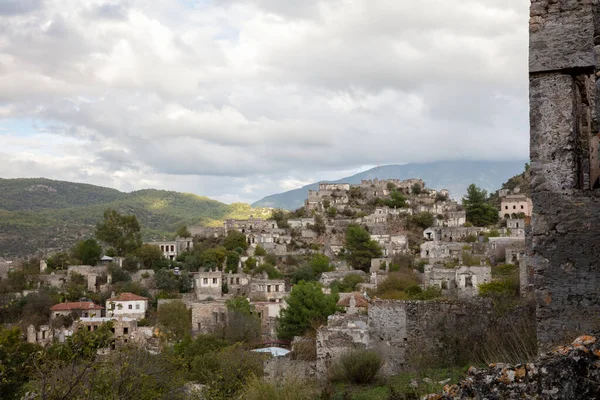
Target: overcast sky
237, 99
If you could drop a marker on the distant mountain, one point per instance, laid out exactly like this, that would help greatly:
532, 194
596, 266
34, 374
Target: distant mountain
41, 215
452, 175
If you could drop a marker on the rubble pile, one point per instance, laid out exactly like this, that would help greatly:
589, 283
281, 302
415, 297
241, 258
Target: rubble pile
567, 372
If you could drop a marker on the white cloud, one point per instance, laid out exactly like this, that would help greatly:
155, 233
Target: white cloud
237, 99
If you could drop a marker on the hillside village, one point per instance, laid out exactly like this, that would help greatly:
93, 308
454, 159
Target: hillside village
397, 257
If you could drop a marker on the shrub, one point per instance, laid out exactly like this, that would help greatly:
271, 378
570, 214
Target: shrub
358, 366
258, 389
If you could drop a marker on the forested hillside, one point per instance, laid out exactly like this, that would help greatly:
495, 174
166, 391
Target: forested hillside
40, 215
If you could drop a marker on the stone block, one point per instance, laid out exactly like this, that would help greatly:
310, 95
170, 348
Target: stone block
561, 37
553, 132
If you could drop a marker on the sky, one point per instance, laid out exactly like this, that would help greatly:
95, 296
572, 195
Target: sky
239, 99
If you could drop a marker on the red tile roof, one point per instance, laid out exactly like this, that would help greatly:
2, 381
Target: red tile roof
127, 297
360, 300
77, 305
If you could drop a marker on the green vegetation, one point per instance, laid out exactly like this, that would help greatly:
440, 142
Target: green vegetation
358, 366
308, 306
175, 319
479, 211
55, 214
360, 248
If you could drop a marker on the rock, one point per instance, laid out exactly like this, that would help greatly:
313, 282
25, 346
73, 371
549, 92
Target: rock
567, 372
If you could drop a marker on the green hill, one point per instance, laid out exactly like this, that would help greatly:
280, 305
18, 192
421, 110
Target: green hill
42, 215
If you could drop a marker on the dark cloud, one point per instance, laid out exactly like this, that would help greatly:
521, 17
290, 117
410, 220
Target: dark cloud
16, 7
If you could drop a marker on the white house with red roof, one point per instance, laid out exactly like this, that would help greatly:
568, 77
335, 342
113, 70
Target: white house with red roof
77, 309
127, 305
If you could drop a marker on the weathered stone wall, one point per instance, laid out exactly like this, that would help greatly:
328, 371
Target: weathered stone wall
401, 330
564, 39
279, 369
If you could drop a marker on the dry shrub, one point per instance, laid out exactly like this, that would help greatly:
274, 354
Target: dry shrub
305, 347
259, 389
479, 338
357, 366
398, 281
512, 339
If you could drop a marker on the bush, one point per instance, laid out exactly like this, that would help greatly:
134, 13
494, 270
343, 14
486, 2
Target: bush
258, 389
358, 366
348, 284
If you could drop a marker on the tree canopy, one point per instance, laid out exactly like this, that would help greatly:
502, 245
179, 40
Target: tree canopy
478, 211
360, 248
235, 240
307, 306
121, 232
88, 252
175, 319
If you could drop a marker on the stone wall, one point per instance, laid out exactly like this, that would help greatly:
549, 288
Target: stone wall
279, 369
401, 330
565, 167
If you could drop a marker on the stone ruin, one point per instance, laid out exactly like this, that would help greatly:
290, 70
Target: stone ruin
564, 68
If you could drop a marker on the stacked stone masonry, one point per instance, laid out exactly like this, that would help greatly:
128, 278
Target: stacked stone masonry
565, 166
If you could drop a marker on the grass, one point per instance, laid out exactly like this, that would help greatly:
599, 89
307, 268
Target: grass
427, 382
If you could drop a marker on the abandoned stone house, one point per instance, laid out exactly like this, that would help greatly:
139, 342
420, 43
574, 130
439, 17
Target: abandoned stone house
98, 278
513, 205
171, 249
442, 251
353, 303
463, 281
450, 219
122, 327
392, 245
210, 317
45, 335
497, 248
269, 312
272, 290
208, 284
452, 234
327, 278
212, 284
301, 223
76, 310
279, 236
516, 227
403, 185
206, 231
237, 284
398, 330
250, 225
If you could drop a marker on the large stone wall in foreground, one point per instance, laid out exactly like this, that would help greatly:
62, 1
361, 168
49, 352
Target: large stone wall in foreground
565, 166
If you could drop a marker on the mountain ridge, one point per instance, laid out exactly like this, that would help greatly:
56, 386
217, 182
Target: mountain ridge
39, 215
452, 175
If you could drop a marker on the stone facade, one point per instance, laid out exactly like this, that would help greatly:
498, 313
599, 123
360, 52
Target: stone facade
208, 284
98, 278
440, 251
208, 316
392, 245
342, 333
399, 330
452, 234
565, 166
463, 281
171, 249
